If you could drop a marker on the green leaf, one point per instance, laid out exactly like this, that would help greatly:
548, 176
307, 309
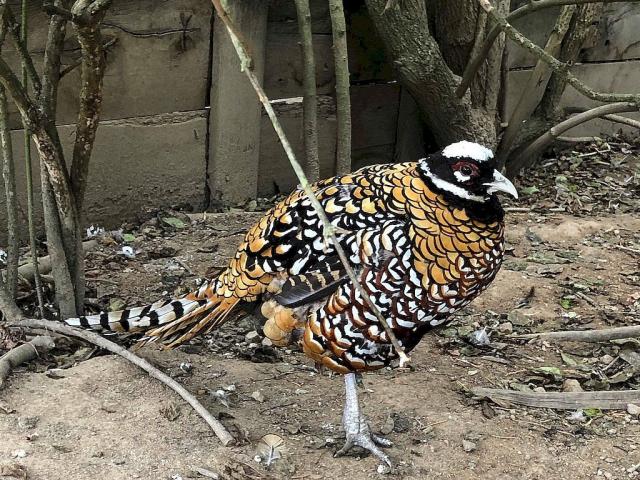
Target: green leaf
566, 303
174, 222
529, 190
568, 359
550, 370
592, 412
129, 237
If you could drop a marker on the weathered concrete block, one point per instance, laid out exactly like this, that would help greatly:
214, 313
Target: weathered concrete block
619, 77
138, 163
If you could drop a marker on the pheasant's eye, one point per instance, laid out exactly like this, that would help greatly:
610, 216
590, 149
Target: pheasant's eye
465, 168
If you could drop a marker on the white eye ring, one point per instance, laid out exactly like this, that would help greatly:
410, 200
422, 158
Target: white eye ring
461, 177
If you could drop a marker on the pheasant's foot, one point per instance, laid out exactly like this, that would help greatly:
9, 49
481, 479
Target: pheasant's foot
357, 429
359, 434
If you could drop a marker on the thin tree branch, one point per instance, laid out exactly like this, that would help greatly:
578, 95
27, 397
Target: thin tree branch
561, 69
15, 318
536, 85
630, 122
93, 66
536, 147
19, 95
28, 170
310, 100
51, 70
343, 98
23, 354
328, 229
9, 178
27, 61
534, 5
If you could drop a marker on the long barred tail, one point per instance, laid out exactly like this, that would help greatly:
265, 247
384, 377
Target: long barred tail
169, 322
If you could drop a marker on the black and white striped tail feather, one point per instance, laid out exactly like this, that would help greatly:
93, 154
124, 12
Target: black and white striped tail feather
140, 319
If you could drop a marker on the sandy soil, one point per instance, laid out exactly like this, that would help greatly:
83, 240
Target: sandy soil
102, 417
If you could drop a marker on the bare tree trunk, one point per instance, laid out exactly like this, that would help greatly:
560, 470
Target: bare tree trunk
422, 69
310, 101
9, 178
343, 84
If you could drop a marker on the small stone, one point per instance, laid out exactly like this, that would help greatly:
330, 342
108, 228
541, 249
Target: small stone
19, 453
517, 318
606, 359
571, 385
633, 409
252, 337
539, 390
388, 425
258, 396
505, 328
607, 474
28, 423
300, 391
469, 446
266, 342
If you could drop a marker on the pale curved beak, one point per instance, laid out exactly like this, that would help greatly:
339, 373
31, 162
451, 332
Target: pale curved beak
501, 184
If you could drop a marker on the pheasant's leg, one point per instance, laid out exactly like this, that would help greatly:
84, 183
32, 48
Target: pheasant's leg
356, 427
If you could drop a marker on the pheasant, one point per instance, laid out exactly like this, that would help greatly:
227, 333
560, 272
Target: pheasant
424, 238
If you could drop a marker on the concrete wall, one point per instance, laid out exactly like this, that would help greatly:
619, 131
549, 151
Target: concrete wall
152, 147
610, 64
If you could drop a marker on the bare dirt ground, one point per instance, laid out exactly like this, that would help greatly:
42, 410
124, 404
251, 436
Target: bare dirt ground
573, 263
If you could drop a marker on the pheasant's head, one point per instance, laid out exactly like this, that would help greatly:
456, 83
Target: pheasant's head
467, 171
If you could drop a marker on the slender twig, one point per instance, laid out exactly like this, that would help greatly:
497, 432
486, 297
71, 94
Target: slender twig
9, 178
19, 35
23, 354
534, 5
578, 139
560, 68
328, 229
17, 319
343, 99
630, 122
536, 85
310, 100
28, 170
537, 146
604, 400
588, 336
93, 66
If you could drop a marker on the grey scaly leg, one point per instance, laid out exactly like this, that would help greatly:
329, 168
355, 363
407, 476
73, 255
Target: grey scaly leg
356, 427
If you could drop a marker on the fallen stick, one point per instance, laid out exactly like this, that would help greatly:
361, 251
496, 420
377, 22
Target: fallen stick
28, 270
23, 354
608, 400
588, 336
91, 337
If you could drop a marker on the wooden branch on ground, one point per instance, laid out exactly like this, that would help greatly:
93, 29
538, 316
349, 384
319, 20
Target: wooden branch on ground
604, 400
23, 354
536, 147
328, 229
28, 270
310, 99
17, 319
534, 5
588, 336
343, 98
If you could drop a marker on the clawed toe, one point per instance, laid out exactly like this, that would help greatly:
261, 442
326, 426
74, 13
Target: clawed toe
368, 442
